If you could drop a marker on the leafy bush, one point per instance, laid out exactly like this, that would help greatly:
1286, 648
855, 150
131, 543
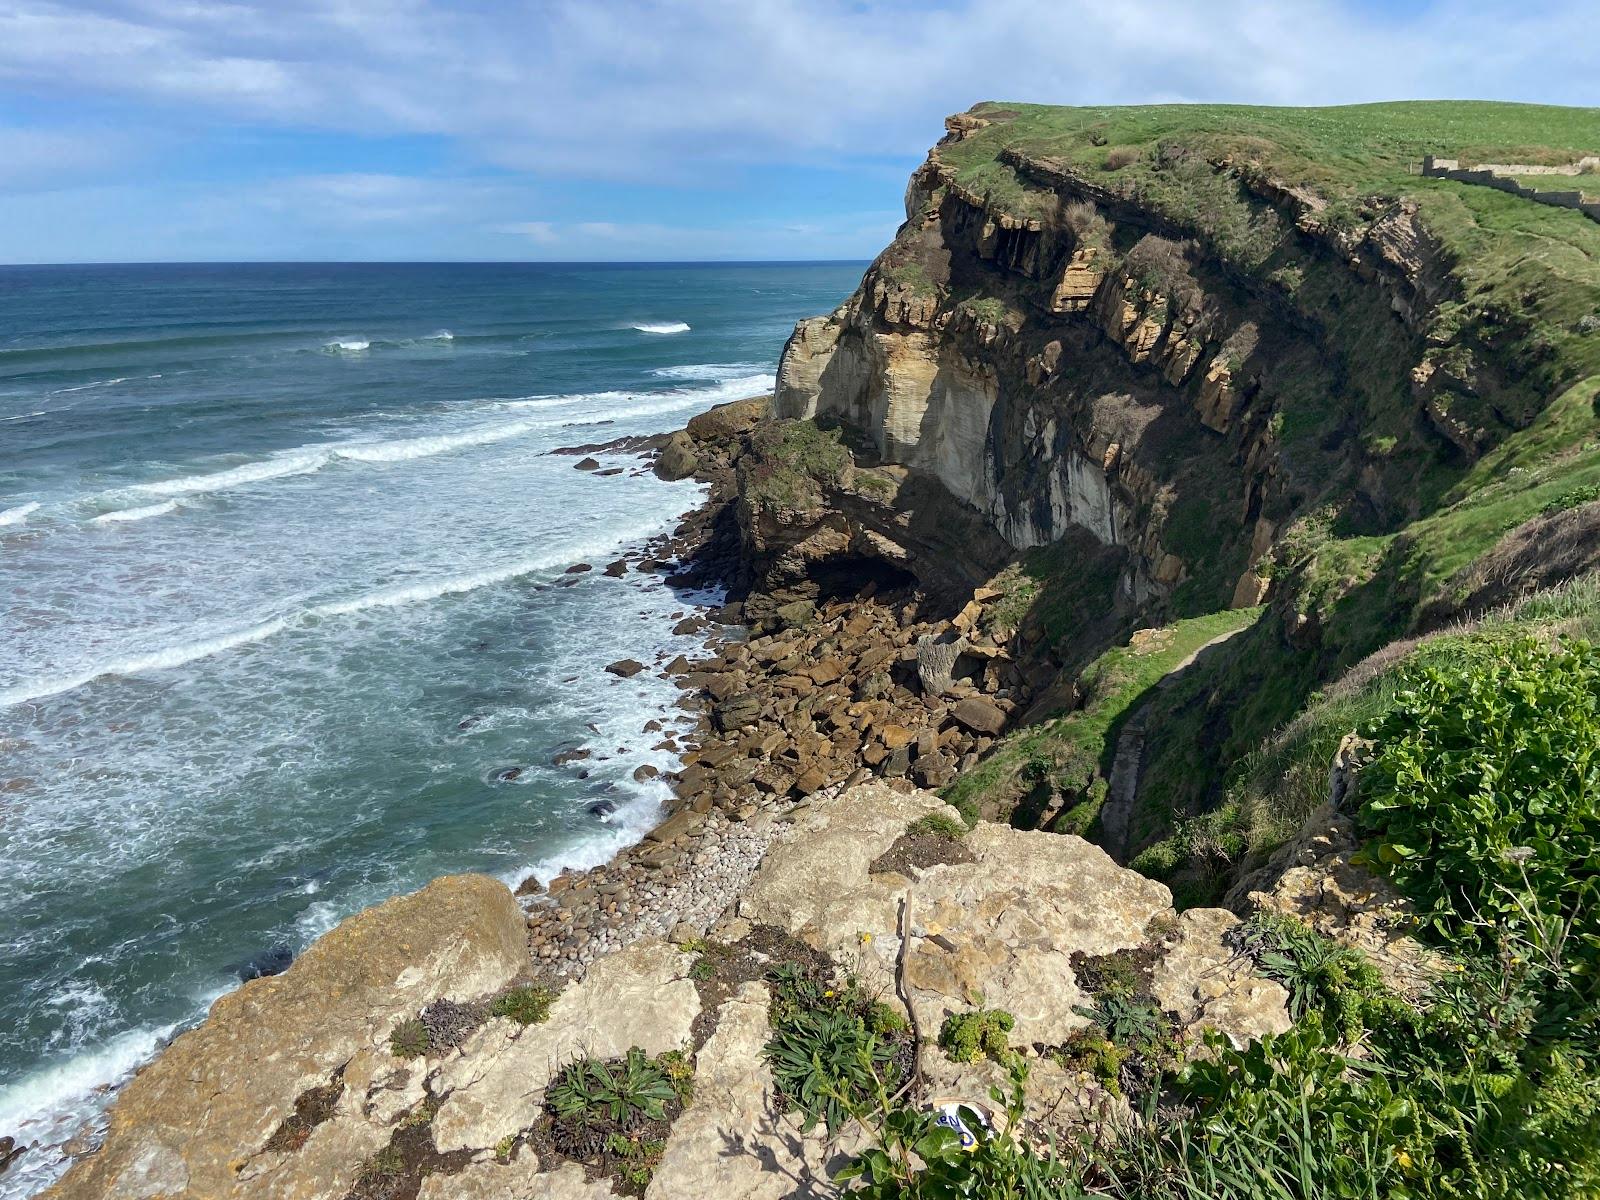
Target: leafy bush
524, 1005
623, 1092
1320, 975
1482, 794
831, 1048
973, 1036
938, 824
1572, 498
409, 1039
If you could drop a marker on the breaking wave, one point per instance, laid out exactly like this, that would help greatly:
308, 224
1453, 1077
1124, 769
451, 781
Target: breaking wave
122, 515
661, 327
564, 410
19, 514
183, 653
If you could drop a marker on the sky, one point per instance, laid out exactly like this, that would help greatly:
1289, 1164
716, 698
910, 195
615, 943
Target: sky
187, 130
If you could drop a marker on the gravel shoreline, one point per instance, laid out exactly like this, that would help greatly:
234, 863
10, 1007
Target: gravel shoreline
815, 696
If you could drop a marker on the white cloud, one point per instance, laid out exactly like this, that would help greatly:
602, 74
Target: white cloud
650, 91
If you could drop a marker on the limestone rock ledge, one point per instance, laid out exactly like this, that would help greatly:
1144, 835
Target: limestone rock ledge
206, 1119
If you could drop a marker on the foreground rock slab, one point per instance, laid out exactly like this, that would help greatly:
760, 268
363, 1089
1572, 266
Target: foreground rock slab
292, 1090
197, 1121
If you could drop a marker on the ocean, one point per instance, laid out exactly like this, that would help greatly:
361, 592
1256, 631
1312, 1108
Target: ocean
282, 602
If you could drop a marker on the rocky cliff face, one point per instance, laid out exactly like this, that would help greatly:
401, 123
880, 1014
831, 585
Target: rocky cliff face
1062, 358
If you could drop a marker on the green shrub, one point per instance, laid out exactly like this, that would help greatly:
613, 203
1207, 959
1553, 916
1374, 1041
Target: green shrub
618, 1091
524, 1005
1481, 796
832, 1048
409, 1039
1319, 974
976, 1035
938, 824
1572, 499
1092, 1052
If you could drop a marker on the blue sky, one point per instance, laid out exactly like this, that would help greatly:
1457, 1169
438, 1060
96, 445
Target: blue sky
618, 129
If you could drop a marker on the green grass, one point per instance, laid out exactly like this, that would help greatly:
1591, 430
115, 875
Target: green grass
1274, 785
795, 457
1067, 755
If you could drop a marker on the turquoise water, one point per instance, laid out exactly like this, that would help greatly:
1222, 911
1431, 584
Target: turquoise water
282, 594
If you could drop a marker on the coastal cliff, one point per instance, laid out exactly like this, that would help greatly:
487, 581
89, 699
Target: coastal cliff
1146, 751
1183, 361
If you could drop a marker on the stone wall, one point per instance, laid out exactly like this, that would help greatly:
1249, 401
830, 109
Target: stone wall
1497, 176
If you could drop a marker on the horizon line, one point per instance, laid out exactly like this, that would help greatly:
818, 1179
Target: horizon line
441, 262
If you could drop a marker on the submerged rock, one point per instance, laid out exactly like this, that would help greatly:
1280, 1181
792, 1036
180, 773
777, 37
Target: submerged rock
274, 961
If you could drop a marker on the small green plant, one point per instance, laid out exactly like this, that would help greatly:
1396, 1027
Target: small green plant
703, 969
524, 1005
825, 1062
637, 1158
1132, 1023
621, 1092
885, 1019
1319, 974
938, 824
409, 1039
680, 1073
1093, 1053
385, 1164
976, 1035
504, 1147
832, 1045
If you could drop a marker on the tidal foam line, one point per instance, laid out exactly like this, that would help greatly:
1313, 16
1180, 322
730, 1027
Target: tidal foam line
123, 515
19, 514
391, 597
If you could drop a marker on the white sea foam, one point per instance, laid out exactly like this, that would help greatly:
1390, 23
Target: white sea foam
49, 1106
709, 372
443, 335
348, 345
203, 647
99, 383
122, 515
19, 514
661, 327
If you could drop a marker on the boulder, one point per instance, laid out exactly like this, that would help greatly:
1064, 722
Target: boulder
725, 422
197, 1121
980, 715
677, 459
936, 662
625, 668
